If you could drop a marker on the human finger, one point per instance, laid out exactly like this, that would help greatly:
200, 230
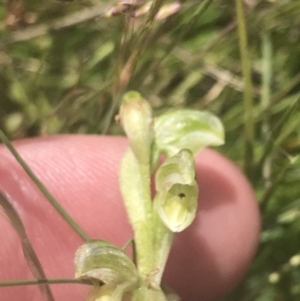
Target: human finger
81, 171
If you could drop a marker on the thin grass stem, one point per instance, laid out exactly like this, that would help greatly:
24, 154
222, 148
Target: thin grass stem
248, 91
45, 281
43, 189
265, 102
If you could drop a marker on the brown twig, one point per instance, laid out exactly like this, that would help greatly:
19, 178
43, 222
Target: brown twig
66, 21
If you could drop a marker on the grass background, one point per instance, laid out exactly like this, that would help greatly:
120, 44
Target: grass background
62, 75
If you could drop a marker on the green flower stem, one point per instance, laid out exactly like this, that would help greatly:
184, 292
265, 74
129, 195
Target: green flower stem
162, 245
135, 188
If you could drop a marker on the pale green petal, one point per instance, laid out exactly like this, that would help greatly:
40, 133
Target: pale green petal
189, 129
109, 293
100, 293
177, 208
177, 169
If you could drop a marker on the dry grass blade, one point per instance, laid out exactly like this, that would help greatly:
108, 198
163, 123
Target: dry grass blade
29, 253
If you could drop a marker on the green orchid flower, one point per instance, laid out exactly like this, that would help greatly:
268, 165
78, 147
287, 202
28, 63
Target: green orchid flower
100, 260
177, 191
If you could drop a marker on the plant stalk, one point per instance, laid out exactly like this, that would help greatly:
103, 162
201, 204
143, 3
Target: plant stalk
248, 90
45, 281
265, 102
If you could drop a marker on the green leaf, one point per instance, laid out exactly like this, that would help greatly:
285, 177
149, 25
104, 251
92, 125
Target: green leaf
187, 129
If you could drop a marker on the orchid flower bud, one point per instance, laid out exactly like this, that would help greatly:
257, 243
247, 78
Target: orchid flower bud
136, 119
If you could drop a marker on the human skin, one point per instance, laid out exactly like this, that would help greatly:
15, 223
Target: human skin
207, 260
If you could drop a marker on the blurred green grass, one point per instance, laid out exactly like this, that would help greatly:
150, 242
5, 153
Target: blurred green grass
67, 80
